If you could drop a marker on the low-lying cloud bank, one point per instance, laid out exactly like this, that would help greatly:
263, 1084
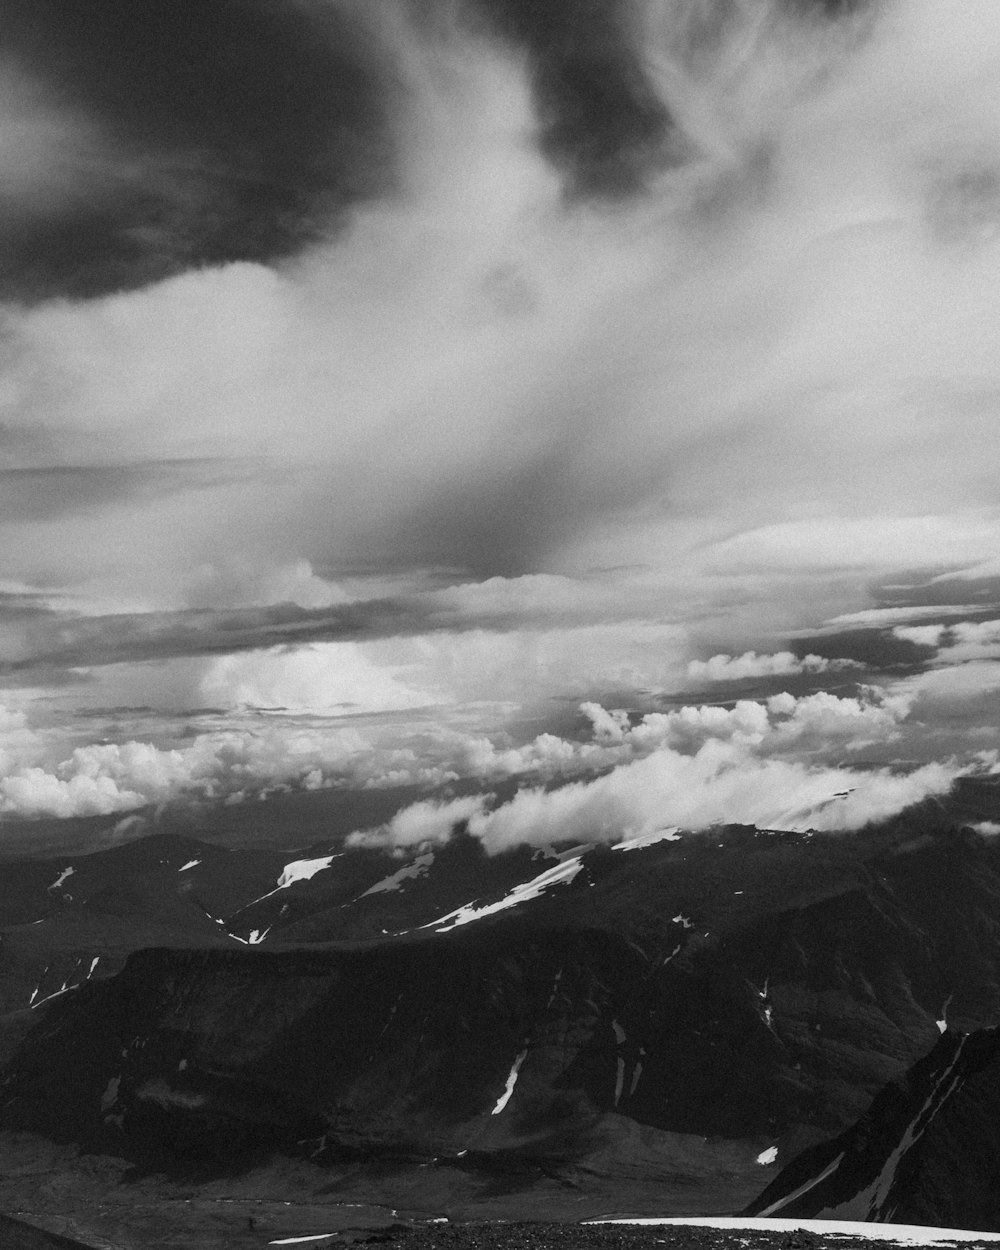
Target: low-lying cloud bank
720, 783
775, 761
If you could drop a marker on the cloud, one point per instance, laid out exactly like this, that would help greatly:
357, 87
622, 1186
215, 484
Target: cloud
269, 753
422, 822
956, 643
782, 295
582, 633
885, 617
324, 678
578, 394
720, 783
949, 684
751, 665
247, 131
921, 635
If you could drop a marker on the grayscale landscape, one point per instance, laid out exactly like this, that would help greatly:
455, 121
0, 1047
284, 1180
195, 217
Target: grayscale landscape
499, 624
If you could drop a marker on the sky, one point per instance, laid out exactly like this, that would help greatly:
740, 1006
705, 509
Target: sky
570, 418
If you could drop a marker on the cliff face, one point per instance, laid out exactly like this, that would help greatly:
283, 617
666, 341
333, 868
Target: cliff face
686, 1016
927, 1151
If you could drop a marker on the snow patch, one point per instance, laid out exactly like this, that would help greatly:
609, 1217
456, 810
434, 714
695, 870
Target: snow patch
299, 1241
673, 834
110, 1095
297, 870
685, 921
561, 874
407, 873
37, 990
767, 1157
619, 1081
192, 863
303, 870
505, 1097
901, 1234
66, 872
63, 989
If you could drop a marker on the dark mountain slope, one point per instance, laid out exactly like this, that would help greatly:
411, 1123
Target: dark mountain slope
663, 1014
16, 1235
927, 1151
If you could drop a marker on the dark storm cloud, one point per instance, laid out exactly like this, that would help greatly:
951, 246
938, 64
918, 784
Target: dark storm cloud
228, 129
602, 120
877, 649
220, 130
183, 133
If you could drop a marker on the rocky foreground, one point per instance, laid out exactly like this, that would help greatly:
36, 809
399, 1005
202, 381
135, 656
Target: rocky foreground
246, 1231
530, 1236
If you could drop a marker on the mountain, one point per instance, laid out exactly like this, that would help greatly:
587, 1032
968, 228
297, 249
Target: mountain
657, 1026
926, 1151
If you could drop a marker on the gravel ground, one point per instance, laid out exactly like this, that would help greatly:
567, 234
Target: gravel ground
525, 1236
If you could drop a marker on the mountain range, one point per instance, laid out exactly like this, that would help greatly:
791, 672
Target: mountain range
684, 1022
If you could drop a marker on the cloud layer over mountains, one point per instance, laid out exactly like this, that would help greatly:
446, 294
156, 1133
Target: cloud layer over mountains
460, 363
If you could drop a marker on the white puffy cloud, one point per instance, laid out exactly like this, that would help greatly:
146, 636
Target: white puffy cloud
35, 792
963, 641
922, 635
423, 822
721, 782
751, 665
274, 752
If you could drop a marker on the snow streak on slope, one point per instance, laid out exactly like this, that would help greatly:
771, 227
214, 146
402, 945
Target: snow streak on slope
66, 872
505, 1097
67, 985
672, 834
561, 874
301, 1241
873, 1202
409, 872
804, 1189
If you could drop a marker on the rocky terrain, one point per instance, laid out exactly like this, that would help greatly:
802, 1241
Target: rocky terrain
926, 1150
658, 1027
